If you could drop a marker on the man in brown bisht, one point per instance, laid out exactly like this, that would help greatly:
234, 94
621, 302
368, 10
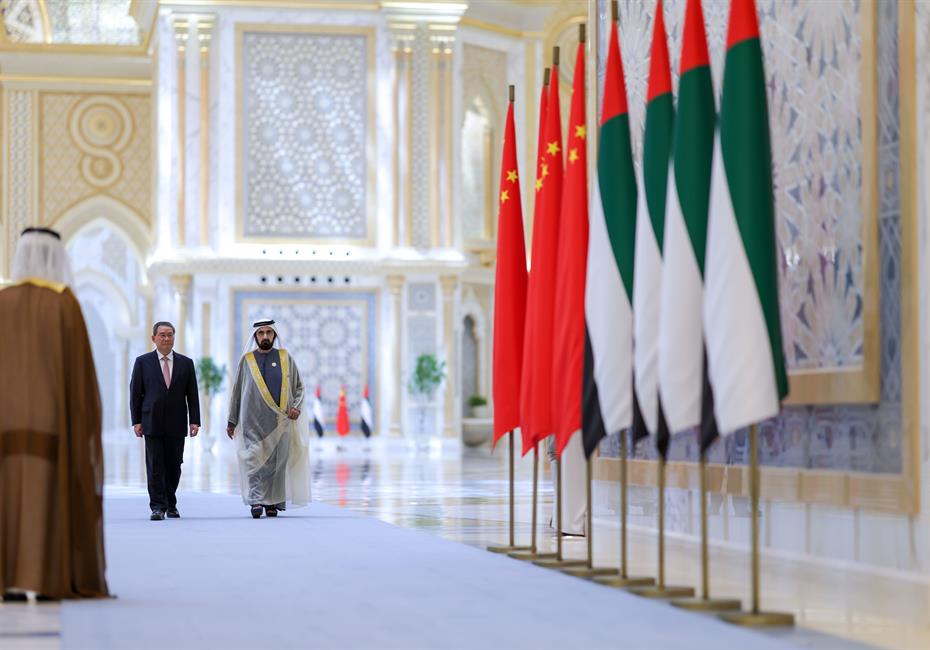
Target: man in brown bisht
51, 457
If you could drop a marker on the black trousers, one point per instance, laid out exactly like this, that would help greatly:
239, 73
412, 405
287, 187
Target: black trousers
163, 458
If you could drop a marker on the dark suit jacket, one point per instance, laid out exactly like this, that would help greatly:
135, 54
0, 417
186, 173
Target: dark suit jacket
164, 411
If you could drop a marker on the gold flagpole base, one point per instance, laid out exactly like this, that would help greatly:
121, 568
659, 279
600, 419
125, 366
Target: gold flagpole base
556, 563
621, 582
508, 549
708, 604
531, 555
759, 619
665, 592
589, 572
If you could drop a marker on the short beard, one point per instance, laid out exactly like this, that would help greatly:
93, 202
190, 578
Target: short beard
265, 345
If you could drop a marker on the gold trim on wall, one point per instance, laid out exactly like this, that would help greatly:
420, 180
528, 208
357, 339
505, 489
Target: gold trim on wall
89, 81
862, 383
181, 35
408, 133
447, 148
910, 236
371, 132
395, 150
204, 36
435, 184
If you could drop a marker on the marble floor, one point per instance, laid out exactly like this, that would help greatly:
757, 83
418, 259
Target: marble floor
460, 494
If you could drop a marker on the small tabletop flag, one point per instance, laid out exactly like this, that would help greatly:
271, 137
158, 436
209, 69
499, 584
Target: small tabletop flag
342, 415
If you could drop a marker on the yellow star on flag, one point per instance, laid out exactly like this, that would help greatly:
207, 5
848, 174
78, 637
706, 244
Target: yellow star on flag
504, 196
538, 184
553, 148
573, 155
512, 176
545, 170
580, 131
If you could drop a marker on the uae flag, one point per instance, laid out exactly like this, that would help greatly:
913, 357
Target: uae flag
342, 414
608, 388
365, 412
318, 413
509, 290
686, 395
568, 344
741, 316
529, 367
650, 227
542, 309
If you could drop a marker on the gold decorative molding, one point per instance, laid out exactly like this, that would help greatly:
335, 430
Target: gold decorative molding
346, 5
181, 33
910, 237
204, 36
139, 82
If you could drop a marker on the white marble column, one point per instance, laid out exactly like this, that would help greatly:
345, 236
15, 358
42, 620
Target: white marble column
181, 287
396, 285
451, 422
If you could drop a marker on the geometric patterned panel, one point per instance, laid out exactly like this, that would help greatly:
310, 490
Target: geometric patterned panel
305, 134
95, 144
330, 334
813, 52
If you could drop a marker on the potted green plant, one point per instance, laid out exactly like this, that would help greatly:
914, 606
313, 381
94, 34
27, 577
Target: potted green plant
210, 377
479, 406
428, 374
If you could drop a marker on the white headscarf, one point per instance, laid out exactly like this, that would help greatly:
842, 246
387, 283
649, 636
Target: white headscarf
40, 254
251, 344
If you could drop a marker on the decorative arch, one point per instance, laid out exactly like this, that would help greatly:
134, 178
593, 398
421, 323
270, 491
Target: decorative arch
117, 215
471, 309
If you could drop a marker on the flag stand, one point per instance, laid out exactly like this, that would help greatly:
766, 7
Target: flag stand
660, 589
510, 546
589, 570
533, 553
755, 617
558, 562
705, 603
623, 578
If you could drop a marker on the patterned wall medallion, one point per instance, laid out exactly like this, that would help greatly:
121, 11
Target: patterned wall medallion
95, 144
332, 335
306, 135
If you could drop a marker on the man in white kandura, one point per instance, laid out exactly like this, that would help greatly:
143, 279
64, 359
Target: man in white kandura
268, 423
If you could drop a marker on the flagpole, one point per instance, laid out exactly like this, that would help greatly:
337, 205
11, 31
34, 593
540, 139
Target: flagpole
705, 603
558, 562
589, 570
662, 590
756, 617
623, 579
510, 547
533, 553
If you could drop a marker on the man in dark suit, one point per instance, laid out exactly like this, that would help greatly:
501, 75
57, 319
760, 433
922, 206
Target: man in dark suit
165, 407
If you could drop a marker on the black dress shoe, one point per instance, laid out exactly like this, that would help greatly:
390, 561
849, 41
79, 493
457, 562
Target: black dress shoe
157, 515
173, 513
15, 597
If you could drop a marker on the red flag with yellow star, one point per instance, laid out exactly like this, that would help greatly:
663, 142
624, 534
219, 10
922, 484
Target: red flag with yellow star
532, 288
571, 268
538, 419
342, 414
509, 290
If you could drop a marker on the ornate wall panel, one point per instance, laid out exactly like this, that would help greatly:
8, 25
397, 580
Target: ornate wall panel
818, 62
420, 171
95, 144
332, 335
306, 110
484, 81
20, 175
